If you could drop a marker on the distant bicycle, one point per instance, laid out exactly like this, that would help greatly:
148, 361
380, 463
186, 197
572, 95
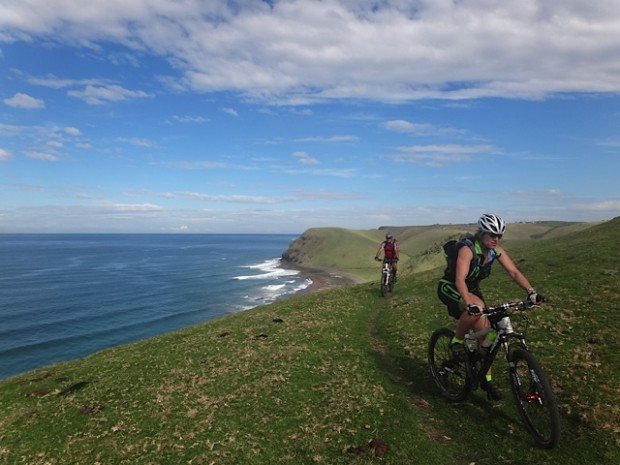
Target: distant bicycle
531, 390
387, 277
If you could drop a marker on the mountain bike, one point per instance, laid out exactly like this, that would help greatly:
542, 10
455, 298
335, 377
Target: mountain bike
387, 278
531, 390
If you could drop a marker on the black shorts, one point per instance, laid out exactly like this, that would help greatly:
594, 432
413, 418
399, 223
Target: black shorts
451, 298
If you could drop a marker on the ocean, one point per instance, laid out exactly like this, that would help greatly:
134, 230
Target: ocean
65, 296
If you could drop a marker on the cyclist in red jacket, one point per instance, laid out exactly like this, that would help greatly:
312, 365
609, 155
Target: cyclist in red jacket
389, 247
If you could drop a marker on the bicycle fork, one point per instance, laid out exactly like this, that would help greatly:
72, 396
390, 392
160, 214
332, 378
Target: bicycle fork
531, 394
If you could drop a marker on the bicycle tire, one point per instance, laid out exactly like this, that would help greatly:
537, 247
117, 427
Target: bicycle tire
384, 284
449, 374
534, 398
391, 284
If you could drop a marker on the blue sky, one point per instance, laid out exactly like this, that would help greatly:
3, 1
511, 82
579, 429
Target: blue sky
252, 116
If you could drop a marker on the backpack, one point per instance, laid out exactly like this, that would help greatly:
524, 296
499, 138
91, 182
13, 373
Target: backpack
389, 249
451, 252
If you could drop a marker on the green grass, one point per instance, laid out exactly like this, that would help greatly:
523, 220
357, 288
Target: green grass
352, 251
303, 380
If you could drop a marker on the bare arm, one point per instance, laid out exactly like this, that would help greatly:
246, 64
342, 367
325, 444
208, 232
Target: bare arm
512, 270
463, 261
379, 250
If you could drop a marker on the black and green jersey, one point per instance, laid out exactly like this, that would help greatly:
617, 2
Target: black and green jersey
478, 268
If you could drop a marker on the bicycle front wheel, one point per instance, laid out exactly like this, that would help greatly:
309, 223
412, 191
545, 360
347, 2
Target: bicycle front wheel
534, 398
449, 374
384, 284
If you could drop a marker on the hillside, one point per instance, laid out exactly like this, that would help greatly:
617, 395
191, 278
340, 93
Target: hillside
314, 378
352, 251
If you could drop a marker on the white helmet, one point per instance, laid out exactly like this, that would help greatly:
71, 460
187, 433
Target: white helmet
491, 224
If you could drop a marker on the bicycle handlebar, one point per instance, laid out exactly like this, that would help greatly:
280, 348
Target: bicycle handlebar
521, 306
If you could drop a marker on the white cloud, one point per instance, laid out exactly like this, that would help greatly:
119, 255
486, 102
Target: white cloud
611, 143
5, 155
611, 206
299, 51
144, 207
55, 82
138, 142
337, 138
25, 101
190, 119
42, 156
301, 111
197, 165
407, 127
97, 95
441, 155
72, 131
11, 130
235, 198
337, 173
149, 217
420, 129
230, 111
305, 158
326, 194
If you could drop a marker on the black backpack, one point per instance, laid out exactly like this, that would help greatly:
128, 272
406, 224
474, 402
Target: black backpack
451, 252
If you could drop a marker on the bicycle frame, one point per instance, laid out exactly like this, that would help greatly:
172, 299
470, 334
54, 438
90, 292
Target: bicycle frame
532, 392
387, 277
505, 333
386, 273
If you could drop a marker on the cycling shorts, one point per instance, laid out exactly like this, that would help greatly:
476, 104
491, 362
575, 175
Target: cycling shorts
450, 297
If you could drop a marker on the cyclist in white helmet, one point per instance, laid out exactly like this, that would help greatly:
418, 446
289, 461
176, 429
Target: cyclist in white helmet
459, 287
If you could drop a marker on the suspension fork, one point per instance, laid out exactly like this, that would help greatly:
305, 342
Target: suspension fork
508, 348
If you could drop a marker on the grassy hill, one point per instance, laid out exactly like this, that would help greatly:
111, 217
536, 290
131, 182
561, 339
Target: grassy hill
314, 378
352, 251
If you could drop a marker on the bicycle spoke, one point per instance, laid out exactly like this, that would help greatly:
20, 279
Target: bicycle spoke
535, 399
449, 374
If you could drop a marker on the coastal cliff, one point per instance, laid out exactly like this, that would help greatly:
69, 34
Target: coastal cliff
351, 251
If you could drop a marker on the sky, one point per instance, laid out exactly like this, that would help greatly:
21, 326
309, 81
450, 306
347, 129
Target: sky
195, 116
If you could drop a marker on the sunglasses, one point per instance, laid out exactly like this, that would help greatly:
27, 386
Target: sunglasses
495, 236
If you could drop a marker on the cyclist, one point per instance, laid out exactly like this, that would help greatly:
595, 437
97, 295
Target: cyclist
459, 288
389, 247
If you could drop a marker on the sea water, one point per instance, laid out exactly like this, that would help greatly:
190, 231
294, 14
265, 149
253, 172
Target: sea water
68, 295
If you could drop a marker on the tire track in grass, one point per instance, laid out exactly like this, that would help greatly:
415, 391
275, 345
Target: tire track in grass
398, 375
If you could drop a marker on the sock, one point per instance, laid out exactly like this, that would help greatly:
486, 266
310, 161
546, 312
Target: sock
456, 340
488, 378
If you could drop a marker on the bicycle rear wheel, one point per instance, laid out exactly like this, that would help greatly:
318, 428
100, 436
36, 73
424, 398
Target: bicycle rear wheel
534, 398
449, 374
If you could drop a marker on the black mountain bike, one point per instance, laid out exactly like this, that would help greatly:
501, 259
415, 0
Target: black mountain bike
387, 278
531, 390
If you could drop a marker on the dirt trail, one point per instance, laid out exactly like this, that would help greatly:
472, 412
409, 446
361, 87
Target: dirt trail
400, 376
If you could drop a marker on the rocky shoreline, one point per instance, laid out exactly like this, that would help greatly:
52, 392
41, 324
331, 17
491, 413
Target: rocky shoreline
321, 278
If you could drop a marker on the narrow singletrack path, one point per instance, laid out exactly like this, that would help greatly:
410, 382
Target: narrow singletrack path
399, 375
